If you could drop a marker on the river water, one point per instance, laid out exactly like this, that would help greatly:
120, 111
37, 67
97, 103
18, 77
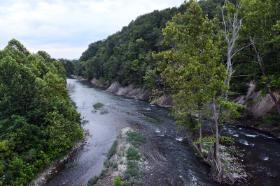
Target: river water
173, 160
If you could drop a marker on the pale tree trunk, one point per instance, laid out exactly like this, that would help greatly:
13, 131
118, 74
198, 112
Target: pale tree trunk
232, 25
200, 132
217, 157
267, 85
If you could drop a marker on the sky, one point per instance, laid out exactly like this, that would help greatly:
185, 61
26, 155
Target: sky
64, 28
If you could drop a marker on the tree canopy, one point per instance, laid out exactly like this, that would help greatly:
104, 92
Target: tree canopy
38, 123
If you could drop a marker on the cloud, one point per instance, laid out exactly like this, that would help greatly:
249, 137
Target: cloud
64, 28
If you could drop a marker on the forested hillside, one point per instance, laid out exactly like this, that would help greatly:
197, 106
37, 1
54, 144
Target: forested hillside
38, 123
127, 55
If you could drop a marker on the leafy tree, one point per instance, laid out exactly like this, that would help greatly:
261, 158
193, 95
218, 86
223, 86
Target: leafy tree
195, 74
38, 123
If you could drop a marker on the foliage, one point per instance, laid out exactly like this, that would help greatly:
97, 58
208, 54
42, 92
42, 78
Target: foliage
192, 68
135, 138
132, 170
132, 154
117, 181
127, 55
38, 123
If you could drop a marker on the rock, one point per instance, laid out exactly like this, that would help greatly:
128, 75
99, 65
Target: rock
163, 101
261, 104
129, 91
99, 83
257, 104
114, 87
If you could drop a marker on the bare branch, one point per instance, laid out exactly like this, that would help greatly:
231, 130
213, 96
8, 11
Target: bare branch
240, 49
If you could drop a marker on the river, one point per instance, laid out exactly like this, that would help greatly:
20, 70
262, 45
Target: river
174, 160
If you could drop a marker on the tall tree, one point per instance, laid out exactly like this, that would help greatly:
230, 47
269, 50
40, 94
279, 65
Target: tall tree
194, 70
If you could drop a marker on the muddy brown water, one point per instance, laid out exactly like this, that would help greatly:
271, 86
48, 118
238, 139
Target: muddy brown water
173, 162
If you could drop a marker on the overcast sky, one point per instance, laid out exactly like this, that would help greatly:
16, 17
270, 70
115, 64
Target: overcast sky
64, 28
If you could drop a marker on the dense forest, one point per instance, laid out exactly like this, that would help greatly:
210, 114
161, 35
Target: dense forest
38, 122
203, 53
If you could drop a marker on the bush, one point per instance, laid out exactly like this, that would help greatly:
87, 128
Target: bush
117, 181
132, 169
132, 154
135, 138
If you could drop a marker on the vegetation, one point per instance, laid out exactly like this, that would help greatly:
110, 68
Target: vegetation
127, 55
135, 138
193, 70
38, 123
117, 181
132, 154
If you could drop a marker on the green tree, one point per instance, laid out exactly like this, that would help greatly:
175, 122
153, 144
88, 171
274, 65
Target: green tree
38, 123
194, 71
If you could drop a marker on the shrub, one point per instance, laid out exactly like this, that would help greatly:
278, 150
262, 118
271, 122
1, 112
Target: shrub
117, 181
132, 169
132, 154
135, 138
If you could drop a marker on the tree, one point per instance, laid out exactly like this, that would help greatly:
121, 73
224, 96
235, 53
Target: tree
232, 24
261, 26
194, 70
38, 123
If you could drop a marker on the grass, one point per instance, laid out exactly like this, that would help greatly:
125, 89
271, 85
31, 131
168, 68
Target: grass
135, 138
132, 154
98, 106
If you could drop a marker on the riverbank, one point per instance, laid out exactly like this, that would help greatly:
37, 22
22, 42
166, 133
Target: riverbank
56, 166
133, 92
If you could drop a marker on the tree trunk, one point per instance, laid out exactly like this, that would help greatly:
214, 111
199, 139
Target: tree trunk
217, 142
232, 26
200, 133
229, 71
